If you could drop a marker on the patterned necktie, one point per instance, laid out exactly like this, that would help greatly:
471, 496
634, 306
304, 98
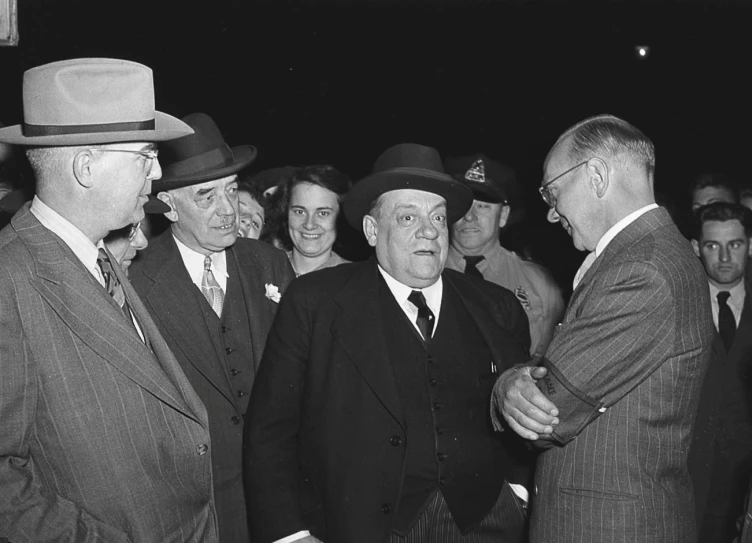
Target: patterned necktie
425, 318
726, 320
471, 263
211, 289
112, 284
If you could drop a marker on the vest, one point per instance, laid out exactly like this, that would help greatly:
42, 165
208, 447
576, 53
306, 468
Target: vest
445, 393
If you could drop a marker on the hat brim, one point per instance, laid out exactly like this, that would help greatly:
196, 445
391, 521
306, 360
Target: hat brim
485, 193
359, 199
155, 206
243, 156
166, 127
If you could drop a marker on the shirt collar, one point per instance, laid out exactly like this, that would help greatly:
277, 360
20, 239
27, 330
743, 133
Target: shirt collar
736, 293
194, 262
400, 291
619, 226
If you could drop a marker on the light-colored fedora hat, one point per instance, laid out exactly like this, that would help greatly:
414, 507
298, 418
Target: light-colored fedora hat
91, 101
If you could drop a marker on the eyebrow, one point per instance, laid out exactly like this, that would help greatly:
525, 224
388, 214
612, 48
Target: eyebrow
204, 192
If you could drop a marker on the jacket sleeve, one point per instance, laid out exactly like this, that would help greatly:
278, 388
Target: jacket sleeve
270, 455
29, 512
621, 336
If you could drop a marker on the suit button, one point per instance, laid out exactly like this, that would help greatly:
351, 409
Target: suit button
235, 420
396, 441
436, 405
240, 393
385, 508
234, 372
430, 359
441, 482
228, 350
223, 329
201, 449
432, 382
441, 457
439, 431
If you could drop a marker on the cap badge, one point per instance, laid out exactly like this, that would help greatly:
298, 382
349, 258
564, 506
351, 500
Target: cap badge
477, 172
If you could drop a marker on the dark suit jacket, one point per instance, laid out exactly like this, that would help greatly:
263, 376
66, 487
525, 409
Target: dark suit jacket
101, 439
319, 452
161, 279
625, 368
722, 444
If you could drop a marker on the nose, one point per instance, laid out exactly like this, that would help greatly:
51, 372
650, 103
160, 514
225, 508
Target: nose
309, 223
155, 172
725, 254
428, 229
552, 216
227, 205
139, 242
470, 216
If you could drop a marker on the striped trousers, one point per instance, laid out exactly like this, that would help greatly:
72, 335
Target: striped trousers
505, 523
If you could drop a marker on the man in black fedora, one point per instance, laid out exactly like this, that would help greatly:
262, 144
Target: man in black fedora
212, 295
102, 436
370, 421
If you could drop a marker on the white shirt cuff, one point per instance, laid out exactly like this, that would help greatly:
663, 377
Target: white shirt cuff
293, 537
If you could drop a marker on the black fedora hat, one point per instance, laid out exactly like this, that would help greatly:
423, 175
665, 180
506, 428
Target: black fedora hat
407, 166
200, 157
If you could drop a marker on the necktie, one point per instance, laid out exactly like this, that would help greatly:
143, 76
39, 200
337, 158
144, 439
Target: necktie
471, 263
584, 267
211, 289
726, 320
112, 284
425, 318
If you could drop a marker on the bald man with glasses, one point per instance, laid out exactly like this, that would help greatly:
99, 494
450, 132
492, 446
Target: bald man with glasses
612, 403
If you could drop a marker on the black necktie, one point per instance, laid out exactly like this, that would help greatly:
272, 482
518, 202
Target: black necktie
471, 263
112, 284
726, 320
425, 315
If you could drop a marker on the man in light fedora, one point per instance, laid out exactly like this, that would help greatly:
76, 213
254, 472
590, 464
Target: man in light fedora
370, 419
102, 437
212, 295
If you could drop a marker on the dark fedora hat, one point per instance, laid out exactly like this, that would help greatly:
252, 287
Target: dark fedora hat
200, 157
407, 166
90, 101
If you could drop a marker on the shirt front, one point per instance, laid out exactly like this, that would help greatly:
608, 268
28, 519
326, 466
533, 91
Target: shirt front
400, 291
194, 263
735, 301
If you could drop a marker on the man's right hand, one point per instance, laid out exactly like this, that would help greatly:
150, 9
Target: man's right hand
525, 408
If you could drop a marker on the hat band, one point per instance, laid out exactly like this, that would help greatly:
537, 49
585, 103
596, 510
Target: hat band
219, 156
36, 130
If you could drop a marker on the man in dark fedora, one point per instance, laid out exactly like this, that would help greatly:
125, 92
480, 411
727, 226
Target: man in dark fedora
102, 437
212, 295
370, 422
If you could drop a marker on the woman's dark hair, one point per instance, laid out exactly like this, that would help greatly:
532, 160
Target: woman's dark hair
327, 177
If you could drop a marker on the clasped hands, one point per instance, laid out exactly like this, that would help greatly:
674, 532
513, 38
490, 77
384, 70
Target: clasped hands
525, 408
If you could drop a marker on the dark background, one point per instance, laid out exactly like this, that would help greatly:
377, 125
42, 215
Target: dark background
338, 82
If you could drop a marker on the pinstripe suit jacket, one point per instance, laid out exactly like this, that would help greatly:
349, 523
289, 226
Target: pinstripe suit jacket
101, 440
625, 367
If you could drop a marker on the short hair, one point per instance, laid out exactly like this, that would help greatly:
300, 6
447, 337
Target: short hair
606, 134
324, 176
256, 192
722, 212
715, 180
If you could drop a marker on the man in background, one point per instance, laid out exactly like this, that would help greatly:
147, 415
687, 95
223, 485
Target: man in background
721, 455
475, 250
713, 187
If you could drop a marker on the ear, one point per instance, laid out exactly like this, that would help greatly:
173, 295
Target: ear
370, 229
696, 247
599, 176
169, 199
749, 251
504, 217
83, 164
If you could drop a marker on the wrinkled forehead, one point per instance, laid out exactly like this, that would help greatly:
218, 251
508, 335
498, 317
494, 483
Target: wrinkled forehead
412, 198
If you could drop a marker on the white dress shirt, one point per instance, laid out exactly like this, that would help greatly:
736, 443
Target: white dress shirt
400, 291
194, 263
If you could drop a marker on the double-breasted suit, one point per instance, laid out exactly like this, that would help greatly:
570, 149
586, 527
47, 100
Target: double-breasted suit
102, 437
720, 459
625, 369
326, 442
221, 366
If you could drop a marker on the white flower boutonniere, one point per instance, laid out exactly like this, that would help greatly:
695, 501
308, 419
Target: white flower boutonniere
272, 292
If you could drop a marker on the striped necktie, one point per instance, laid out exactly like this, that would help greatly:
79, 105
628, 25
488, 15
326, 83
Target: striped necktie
112, 284
211, 289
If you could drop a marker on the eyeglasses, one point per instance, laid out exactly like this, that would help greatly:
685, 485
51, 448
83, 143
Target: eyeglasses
133, 232
150, 155
545, 190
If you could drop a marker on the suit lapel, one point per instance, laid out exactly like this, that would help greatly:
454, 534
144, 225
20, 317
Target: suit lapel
176, 303
91, 314
360, 333
260, 309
